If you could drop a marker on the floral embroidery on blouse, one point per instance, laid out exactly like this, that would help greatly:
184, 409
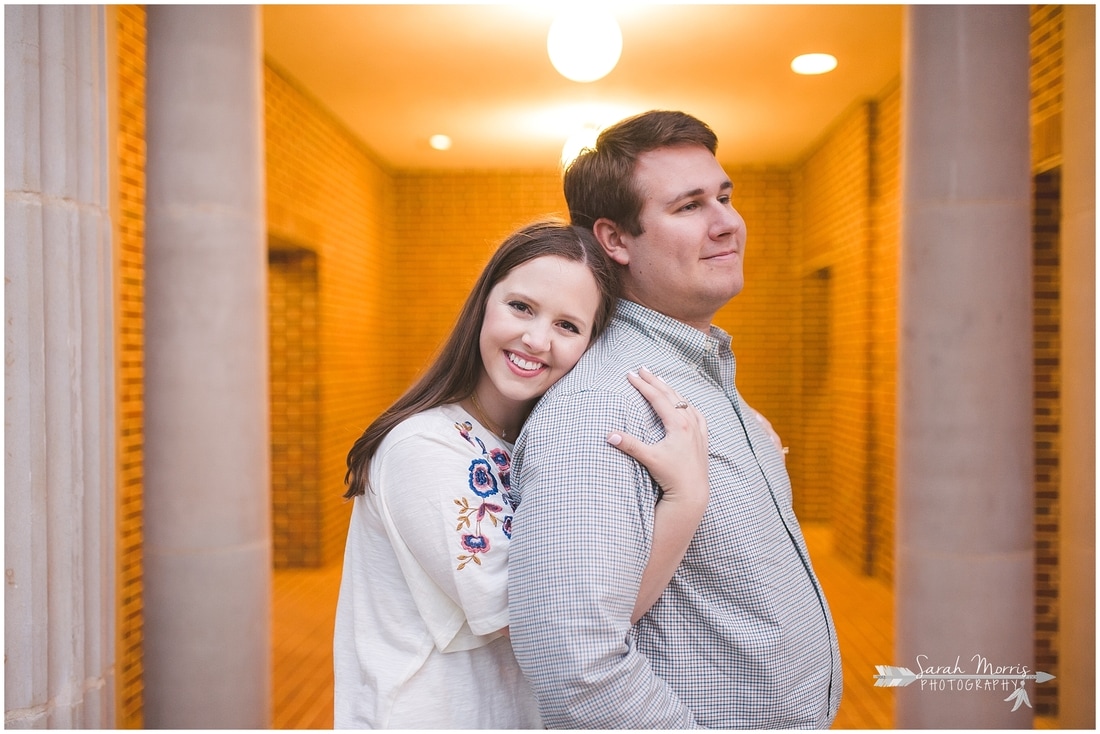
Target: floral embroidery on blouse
482, 479
504, 467
464, 429
487, 477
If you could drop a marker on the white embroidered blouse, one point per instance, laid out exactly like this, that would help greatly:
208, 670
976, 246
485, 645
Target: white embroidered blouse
423, 597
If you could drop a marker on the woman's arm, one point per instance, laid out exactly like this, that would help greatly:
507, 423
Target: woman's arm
445, 524
679, 464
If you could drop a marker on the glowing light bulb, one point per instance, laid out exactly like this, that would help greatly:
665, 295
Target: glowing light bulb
584, 44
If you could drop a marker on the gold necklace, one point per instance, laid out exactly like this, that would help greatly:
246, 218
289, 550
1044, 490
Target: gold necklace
485, 420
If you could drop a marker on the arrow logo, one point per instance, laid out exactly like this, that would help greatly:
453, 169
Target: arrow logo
893, 676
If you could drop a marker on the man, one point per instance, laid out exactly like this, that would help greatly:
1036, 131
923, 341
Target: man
742, 637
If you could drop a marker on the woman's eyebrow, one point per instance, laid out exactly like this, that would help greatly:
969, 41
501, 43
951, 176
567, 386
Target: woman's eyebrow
520, 296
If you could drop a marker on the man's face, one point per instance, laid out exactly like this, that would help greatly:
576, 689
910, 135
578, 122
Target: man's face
687, 263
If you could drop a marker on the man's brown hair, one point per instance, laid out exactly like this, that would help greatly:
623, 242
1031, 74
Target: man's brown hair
599, 183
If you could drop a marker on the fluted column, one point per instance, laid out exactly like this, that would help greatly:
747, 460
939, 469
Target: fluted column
207, 467
964, 561
1077, 555
59, 514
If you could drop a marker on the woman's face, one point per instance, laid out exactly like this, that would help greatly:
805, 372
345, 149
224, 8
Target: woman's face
538, 323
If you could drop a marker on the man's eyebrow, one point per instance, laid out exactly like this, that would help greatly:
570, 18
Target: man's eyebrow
726, 185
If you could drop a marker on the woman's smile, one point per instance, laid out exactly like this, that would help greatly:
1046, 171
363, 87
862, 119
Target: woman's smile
524, 365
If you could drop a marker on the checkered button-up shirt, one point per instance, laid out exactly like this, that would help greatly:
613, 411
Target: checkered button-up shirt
742, 637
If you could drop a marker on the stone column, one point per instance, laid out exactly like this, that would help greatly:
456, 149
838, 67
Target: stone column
964, 507
59, 421
207, 472
1077, 553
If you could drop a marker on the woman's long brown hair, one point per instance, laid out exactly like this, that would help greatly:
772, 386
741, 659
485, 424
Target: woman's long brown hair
454, 372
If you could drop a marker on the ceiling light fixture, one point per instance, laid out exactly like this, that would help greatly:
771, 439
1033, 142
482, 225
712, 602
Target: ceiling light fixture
584, 43
813, 64
440, 142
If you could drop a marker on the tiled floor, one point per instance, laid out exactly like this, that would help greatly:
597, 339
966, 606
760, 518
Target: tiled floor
305, 601
305, 605
863, 611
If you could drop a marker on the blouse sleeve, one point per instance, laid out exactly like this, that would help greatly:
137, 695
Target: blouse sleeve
446, 508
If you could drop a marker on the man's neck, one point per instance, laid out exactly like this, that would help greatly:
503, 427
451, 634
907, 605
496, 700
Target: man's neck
699, 323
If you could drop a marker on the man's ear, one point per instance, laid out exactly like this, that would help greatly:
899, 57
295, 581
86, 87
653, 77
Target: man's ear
611, 238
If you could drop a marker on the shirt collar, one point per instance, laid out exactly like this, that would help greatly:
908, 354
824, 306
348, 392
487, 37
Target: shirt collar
676, 336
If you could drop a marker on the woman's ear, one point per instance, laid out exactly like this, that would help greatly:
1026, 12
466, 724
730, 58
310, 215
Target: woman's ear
610, 237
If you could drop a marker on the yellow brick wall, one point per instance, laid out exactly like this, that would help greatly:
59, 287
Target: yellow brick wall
837, 246
447, 224
847, 190
328, 195
886, 215
129, 282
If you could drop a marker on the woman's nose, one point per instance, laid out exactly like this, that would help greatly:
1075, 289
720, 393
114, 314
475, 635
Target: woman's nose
537, 338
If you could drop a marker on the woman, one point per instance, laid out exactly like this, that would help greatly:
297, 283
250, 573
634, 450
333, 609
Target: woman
421, 624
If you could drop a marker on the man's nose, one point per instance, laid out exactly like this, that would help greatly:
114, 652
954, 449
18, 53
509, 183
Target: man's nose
727, 222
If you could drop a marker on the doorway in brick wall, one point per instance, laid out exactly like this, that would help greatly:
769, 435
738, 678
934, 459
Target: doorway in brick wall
295, 407
1046, 335
812, 496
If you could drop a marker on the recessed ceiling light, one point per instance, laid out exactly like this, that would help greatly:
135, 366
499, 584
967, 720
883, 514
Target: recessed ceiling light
440, 142
813, 63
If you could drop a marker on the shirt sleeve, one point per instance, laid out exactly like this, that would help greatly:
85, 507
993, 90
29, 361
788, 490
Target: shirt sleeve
582, 537
445, 514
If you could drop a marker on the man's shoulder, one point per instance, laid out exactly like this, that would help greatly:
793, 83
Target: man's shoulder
606, 362
596, 392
